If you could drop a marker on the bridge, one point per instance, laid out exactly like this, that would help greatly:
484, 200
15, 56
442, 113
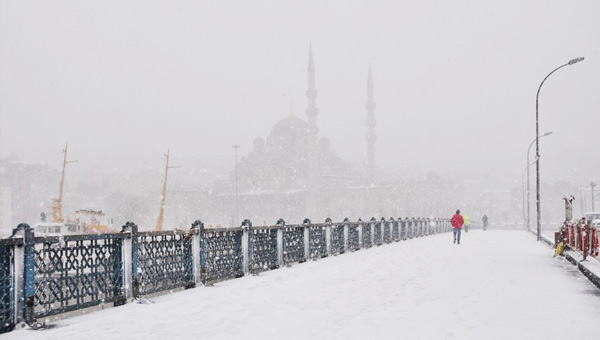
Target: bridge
374, 279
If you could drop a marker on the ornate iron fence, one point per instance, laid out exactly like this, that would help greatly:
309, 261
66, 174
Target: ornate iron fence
50, 275
353, 236
7, 284
367, 241
317, 241
387, 231
377, 232
164, 261
264, 249
76, 271
395, 229
223, 258
293, 244
337, 239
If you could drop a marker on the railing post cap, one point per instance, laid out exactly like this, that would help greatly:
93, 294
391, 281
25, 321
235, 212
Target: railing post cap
247, 224
328, 220
280, 222
198, 224
306, 221
24, 227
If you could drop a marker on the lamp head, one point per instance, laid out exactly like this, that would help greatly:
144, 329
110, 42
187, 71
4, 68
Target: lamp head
576, 60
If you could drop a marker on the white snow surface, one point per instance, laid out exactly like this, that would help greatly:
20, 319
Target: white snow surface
494, 285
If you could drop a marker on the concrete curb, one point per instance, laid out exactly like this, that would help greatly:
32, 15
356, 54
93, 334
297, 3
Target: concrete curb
593, 277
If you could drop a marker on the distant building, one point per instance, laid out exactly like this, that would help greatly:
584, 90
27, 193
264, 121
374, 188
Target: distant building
6, 224
30, 188
293, 174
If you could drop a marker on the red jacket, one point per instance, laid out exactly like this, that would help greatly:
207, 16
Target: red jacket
457, 221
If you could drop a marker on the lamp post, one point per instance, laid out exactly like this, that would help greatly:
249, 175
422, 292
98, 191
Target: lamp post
526, 170
537, 144
592, 186
528, 200
236, 147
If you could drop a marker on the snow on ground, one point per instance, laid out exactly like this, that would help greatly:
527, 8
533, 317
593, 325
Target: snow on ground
495, 285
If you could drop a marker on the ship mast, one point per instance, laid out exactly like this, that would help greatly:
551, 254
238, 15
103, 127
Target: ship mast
57, 208
159, 223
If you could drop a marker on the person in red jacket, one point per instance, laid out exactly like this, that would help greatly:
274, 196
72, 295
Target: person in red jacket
457, 223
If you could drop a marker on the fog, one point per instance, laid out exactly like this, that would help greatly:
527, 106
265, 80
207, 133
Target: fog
455, 85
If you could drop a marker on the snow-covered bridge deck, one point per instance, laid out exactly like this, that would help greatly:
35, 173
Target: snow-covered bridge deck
495, 285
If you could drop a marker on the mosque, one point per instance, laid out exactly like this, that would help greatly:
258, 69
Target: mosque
294, 174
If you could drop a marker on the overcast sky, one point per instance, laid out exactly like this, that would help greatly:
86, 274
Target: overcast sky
455, 81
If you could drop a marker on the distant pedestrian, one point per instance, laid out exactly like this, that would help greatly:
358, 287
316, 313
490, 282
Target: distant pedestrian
457, 223
485, 222
467, 222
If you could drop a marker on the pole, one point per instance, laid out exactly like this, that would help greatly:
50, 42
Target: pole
593, 185
581, 201
526, 170
528, 165
523, 189
537, 145
236, 147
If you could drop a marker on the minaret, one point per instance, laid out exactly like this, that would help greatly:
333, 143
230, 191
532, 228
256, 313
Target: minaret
311, 93
312, 159
370, 122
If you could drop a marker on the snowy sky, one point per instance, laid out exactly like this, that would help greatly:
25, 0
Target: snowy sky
455, 81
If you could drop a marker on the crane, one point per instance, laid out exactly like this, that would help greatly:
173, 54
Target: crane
159, 223
57, 207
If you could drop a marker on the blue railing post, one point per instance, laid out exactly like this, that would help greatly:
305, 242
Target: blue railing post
346, 222
306, 225
126, 253
25, 274
372, 226
247, 245
130, 254
360, 233
197, 254
135, 255
280, 243
199, 250
328, 236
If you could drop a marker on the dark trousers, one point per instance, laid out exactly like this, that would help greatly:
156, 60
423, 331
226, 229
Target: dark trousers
457, 235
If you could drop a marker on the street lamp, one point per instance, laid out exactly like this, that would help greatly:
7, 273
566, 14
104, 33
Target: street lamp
528, 200
236, 147
537, 144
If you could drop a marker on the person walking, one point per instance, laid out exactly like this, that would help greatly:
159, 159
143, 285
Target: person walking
457, 223
485, 222
467, 222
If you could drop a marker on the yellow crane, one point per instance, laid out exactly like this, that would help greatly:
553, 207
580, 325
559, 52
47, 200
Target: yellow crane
57, 207
159, 223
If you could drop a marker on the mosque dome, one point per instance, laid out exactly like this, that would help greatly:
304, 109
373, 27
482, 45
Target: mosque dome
290, 134
290, 127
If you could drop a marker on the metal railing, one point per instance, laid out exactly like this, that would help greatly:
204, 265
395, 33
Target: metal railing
581, 236
50, 275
